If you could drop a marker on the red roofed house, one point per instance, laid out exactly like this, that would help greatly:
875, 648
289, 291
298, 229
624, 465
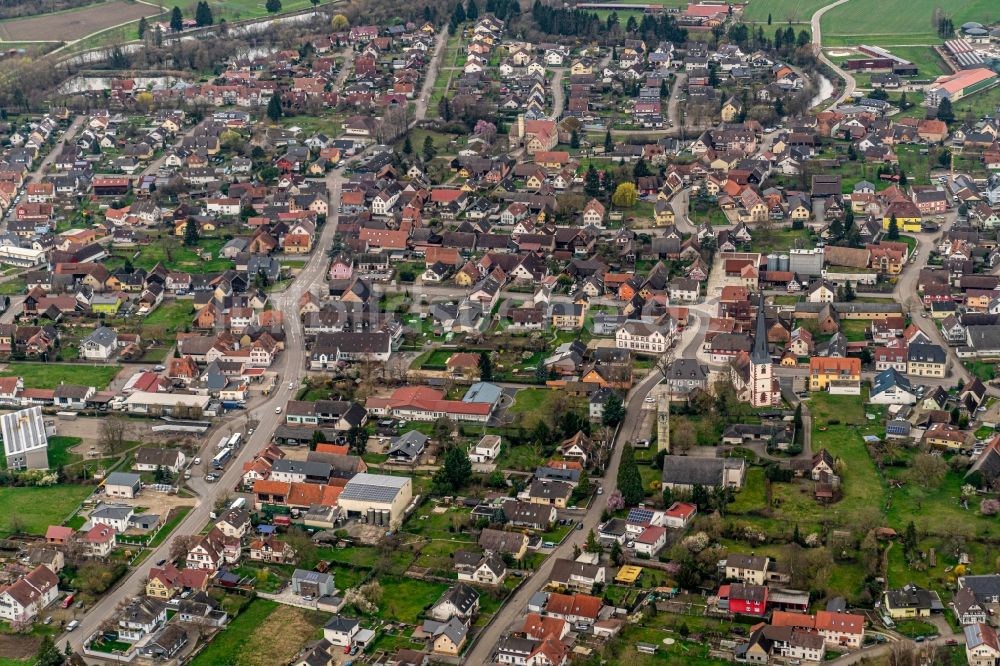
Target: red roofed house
680, 514
422, 403
651, 541
744, 599
573, 607
25, 598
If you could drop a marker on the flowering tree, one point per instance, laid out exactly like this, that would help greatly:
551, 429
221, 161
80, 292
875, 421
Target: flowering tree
615, 501
989, 507
485, 130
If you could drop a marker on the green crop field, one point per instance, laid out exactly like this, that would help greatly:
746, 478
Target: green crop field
782, 11
910, 22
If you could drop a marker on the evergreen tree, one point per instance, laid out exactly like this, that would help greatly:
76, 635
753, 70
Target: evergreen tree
849, 292
614, 411
429, 150
664, 92
574, 139
903, 103
203, 14
641, 169
485, 367
629, 479
945, 112
274, 107
407, 146
593, 545
48, 653
444, 109
617, 556
903, 180
454, 473
609, 144
459, 13
592, 182
472, 11
608, 183
143, 26
769, 18
893, 228
191, 233
176, 19
273, 6
803, 39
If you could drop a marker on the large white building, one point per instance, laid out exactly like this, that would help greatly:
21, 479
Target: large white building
376, 498
25, 442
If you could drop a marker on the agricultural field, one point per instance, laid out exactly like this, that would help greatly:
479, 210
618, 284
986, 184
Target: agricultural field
782, 11
851, 23
74, 24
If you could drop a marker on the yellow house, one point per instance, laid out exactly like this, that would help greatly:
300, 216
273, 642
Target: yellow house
450, 637
158, 589
945, 436
907, 216
465, 278
731, 109
823, 370
569, 316
909, 602
107, 306
664, 215
581, 67
534, 181
170, 125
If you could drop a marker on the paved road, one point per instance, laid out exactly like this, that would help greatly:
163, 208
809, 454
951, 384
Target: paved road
289, 368
817, 40
420, 110
558, 94
347, 64
513, 612
36, 175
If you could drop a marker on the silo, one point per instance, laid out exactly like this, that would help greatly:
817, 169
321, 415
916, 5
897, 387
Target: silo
371, 516
783, 262
772, 262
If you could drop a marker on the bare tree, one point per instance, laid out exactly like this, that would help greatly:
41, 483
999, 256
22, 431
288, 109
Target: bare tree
114, 434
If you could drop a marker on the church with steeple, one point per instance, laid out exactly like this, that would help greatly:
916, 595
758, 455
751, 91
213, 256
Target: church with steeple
753, 373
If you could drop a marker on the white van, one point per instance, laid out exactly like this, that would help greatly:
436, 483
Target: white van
72, 625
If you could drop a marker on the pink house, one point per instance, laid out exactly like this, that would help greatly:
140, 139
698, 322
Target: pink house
341, 268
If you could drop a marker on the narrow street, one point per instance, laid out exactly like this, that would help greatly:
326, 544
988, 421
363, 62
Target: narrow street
558, 94
427, 90
513, 611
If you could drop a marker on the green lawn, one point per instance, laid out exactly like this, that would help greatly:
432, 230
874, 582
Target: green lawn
176, 517
51, 375
780, 239
59, 451
171, 252
172, 315
37, 508
928, 62
854, 329
985, 371
534, 404
405, 599
229, 641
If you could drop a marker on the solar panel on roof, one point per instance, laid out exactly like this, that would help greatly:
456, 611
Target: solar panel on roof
640, 515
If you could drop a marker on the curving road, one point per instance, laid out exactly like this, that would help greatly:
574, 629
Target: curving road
817, 40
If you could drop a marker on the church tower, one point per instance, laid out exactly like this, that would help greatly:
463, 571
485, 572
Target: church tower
763, 389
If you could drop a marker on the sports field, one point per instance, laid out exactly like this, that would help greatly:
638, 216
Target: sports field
75, 23
903, 21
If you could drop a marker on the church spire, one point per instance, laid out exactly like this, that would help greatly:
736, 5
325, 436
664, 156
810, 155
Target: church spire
760, 354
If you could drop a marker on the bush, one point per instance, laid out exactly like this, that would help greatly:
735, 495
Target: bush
989, 507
